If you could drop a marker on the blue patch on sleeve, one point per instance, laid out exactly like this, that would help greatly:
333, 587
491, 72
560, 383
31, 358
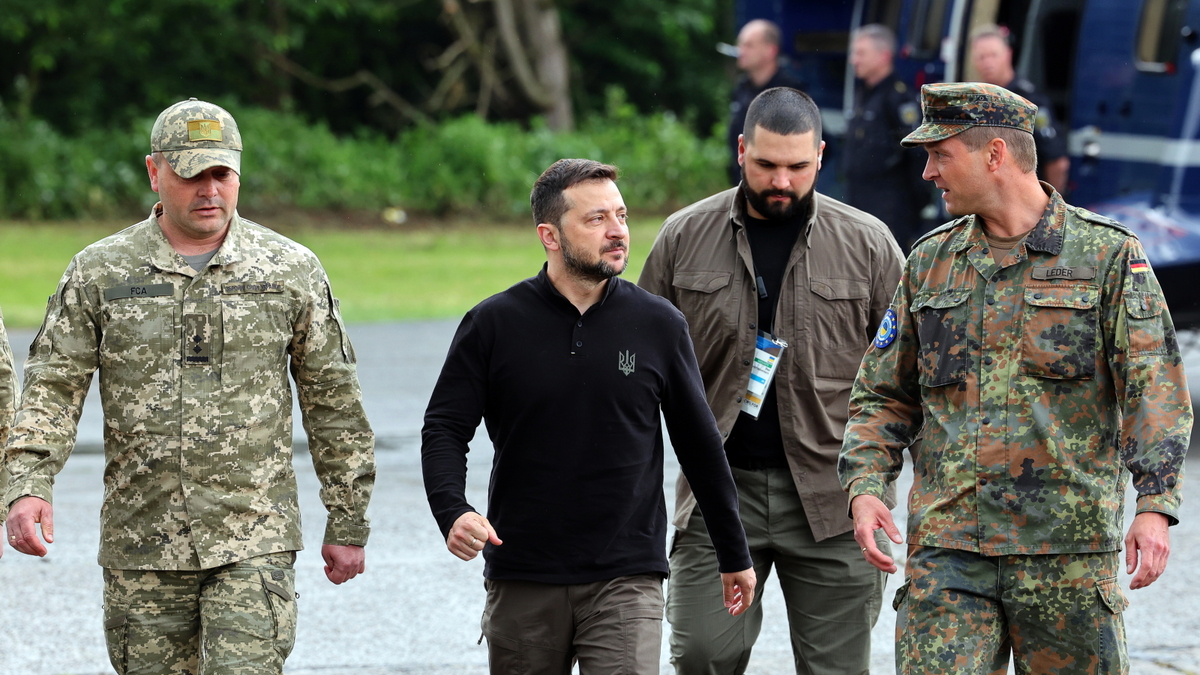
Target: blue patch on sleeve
887, 330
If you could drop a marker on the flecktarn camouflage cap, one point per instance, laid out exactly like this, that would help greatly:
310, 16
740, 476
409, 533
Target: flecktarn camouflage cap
951, 108
195, 135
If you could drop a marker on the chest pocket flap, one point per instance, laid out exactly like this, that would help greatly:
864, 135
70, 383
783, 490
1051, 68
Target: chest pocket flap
1142, 304
943, 352
840, 289
1069, 297
704, 282
1060, 338
939, 299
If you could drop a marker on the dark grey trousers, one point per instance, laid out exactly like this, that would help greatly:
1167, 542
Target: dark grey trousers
610, 627
833, 595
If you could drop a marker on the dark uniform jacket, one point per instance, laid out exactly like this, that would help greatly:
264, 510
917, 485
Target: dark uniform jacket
838, 281
882, 177
1042, 384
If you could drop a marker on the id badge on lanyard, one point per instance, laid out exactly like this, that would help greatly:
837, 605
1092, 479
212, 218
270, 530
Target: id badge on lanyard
767, 351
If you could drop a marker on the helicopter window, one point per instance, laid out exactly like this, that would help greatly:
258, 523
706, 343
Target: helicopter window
925, 32
1158, 35
886, 12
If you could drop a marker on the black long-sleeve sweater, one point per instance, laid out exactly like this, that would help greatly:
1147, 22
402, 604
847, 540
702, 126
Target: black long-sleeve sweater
571, 405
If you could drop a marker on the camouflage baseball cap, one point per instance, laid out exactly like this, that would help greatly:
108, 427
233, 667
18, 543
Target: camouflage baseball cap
951, 108
195, 135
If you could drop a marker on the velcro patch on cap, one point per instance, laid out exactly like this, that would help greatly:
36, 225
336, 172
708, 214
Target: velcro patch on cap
204, 130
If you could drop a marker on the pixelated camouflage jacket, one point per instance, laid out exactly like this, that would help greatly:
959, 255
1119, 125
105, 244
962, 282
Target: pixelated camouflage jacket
10, 393
197, 404
1042, 384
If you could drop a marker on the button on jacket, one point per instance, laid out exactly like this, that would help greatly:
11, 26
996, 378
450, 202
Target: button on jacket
841, 274
197, 405
1042, 384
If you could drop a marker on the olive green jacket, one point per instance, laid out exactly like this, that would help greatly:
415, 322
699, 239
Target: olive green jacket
836, 286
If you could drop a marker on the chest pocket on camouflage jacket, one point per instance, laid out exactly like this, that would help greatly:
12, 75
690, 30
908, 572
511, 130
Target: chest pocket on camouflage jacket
256, 332
138, 348
944, 353
1059, 331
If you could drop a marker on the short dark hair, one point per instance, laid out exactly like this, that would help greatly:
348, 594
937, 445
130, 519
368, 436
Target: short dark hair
783, 110
546, 199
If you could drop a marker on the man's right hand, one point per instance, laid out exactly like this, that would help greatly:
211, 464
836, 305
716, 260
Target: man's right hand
870, 514
23, 517
469, 534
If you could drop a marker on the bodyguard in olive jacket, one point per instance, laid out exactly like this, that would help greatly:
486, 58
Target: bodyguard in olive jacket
772, 260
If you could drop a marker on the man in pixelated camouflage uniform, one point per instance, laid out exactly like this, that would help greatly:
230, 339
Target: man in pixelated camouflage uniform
1030, 346
10, 390
194, 318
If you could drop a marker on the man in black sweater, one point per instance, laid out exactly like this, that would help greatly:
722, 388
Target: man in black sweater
569, 370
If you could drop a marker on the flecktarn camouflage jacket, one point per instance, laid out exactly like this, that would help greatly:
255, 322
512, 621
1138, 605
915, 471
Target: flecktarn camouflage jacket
1041, 385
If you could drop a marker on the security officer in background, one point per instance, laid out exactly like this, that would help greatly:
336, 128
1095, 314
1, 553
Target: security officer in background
758, 56
10, 390
992, 57
194, 318
882, 177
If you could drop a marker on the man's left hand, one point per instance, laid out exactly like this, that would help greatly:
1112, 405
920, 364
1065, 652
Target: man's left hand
1147, 547
343, 563
738, 589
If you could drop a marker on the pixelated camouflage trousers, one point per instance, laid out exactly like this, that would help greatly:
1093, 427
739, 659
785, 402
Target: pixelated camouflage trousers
238, 619
963, 613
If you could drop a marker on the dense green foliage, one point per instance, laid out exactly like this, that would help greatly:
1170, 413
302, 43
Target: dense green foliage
460, 165
81, 80
84, 64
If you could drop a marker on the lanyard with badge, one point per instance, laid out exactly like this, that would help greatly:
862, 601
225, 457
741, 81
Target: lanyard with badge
767, 350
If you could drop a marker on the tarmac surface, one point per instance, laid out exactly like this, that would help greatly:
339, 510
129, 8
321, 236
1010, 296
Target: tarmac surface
417, 608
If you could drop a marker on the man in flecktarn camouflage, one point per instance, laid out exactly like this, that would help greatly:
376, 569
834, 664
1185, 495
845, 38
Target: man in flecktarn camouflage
193, 318
1029, 346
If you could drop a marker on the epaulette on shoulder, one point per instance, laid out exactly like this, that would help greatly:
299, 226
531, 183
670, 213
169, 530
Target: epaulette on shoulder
1098, 219
944, 227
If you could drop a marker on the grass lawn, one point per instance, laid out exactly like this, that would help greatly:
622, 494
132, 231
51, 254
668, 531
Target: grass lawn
379, 274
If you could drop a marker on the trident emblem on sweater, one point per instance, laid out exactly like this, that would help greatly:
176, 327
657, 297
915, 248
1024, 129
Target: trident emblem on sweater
625, 362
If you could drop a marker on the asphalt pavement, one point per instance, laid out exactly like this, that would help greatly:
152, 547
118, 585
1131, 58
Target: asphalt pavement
416, 610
